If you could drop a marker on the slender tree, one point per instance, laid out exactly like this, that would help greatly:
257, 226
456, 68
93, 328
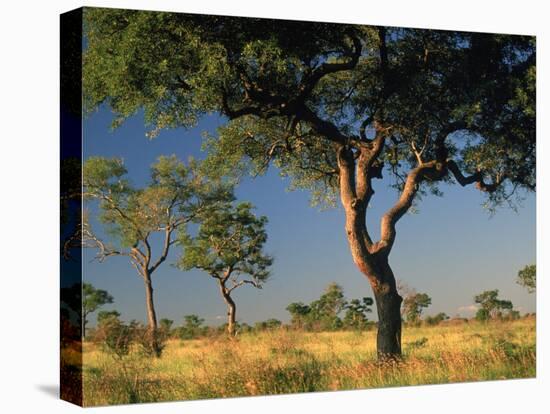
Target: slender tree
325, 310
414, 304
335, 107
229, 247
92, 300
175, 196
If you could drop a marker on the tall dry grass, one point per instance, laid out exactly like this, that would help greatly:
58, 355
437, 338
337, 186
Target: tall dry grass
283, 361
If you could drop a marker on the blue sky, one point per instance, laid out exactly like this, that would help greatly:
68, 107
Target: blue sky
451, 249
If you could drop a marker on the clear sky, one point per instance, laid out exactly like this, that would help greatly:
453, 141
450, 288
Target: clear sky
451, 248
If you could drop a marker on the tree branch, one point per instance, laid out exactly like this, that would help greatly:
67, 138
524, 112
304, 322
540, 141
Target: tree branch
390, 218
165, 249
476, 178
327, 68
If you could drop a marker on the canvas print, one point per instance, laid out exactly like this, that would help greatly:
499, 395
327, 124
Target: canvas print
256, 206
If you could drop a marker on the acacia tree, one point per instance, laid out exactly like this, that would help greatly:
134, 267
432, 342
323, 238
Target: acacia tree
490, 305
334, 107
527, 277
299, 315
356, 313
192, 327
92, 300
414, 304
324, 311
229, 247
175, 196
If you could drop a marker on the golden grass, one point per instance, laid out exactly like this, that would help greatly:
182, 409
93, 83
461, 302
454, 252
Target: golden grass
288, 361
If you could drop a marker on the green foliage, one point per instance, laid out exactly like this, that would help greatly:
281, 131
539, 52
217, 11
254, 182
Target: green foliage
229, 245
106, 316
299, 313
435, 320
482, 315
92, 300
120, 339
177, 67
527, 277
269, 324
356, 313
323, 314
414, 304
193, 327
115, 336
175, 195
165, 326
325, 310
491, 305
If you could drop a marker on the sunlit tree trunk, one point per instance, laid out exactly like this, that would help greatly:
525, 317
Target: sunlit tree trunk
371, 259
231, 309
151, 315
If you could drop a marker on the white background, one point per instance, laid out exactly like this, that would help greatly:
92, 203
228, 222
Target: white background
29, 131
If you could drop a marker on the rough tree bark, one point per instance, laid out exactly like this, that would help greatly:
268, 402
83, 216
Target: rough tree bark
151, 316
371, 258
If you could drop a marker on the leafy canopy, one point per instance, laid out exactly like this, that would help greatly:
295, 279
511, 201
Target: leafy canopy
323, 313
292, 91
229, 246
356, 313
527, 277
490, 305
414, 304
175, 195
93, 299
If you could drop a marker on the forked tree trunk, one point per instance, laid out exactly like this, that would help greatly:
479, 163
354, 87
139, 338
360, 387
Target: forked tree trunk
151, 316
355, 192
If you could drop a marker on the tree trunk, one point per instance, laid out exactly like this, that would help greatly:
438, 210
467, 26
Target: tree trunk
355, 191
231, 310
388, 306
231, 318
151, 316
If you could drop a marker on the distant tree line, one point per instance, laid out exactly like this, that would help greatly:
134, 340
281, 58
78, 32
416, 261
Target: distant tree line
330, 312
324, 314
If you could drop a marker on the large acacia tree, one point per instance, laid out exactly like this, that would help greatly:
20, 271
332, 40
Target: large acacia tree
335, 107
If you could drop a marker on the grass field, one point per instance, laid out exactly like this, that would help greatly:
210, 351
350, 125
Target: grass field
282, 361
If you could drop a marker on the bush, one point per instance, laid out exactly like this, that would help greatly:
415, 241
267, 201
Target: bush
482, 315
192, 328
118, 338
435, 320
268, 325
114, 336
